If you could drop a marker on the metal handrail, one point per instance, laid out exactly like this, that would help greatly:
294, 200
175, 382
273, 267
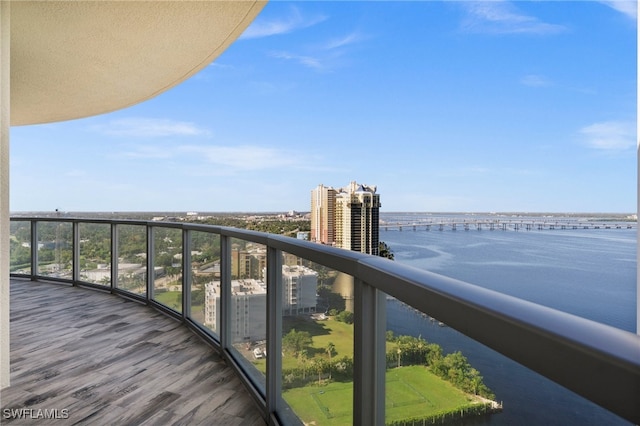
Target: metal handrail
596, 361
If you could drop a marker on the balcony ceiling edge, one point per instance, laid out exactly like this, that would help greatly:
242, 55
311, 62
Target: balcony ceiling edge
74, 59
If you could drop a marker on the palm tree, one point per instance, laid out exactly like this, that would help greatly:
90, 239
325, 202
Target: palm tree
320, 365
330, 348
302, 358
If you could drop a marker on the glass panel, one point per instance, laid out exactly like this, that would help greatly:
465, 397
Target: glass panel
132, 258
317, 343
167, 262
248, 311
55, 256
205, 279
95, 253
427, 381
20, 247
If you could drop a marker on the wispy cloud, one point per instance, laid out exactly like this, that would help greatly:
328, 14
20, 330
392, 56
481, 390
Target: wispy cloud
307, 61
242, 158
502, 17
535, 80
338, 42
324, 56
610, 135
482, 172
219, 160
149, 128
626, 7
295, 20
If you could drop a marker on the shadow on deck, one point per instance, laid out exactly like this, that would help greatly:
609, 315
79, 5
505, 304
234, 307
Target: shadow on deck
88, 357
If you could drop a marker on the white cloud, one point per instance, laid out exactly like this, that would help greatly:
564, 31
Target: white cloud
501, 17
349, 39
626, 7
610, 135
243, 158
292, 22
219, 160
307, 61
535, 80
149, 128
323, 57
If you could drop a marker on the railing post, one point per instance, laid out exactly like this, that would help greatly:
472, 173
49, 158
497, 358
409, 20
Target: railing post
274, 330
369, 355
114, 256
75, 262
224, 324
150, 263
186, 273
34, 249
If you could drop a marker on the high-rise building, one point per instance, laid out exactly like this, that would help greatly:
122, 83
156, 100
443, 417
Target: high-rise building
323, 200
347, 217
357, 218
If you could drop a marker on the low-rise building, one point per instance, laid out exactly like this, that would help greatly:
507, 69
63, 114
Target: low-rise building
249, 302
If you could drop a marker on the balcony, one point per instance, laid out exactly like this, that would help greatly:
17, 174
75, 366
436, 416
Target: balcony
94, 358
204, 283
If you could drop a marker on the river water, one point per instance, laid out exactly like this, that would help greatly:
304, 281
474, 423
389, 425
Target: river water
586, 272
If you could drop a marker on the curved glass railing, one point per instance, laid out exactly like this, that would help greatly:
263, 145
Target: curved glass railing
253, 295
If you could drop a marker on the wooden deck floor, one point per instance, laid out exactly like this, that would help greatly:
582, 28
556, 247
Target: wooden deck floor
102, 360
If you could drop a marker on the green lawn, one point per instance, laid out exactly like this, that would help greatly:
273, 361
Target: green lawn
173, 299
410, 392
322, 332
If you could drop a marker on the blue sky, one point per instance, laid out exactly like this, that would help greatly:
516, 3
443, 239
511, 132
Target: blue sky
444, 106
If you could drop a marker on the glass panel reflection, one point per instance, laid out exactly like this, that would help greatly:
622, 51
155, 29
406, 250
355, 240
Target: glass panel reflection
132, 258
167, 262
20, 247
426, 381
205, 279
248, 325
317, 342
95, 253
55, 256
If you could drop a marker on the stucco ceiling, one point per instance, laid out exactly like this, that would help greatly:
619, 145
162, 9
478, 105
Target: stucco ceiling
72, 59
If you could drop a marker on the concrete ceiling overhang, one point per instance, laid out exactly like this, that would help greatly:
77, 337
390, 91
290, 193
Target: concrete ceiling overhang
73, 59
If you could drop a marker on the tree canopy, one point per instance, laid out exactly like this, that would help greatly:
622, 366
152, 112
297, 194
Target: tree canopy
296, 341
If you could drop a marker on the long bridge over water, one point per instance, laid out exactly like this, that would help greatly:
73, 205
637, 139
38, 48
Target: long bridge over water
442, 224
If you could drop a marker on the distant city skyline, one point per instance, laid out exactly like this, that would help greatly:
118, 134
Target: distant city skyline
501, 106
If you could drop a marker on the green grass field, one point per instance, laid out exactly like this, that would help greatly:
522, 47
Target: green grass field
173, 299
322, 332
410, 392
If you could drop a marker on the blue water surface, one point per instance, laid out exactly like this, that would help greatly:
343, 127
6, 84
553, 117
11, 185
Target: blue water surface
586, 272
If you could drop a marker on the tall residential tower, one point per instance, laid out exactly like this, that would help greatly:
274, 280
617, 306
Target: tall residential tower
323, 201
347, 217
